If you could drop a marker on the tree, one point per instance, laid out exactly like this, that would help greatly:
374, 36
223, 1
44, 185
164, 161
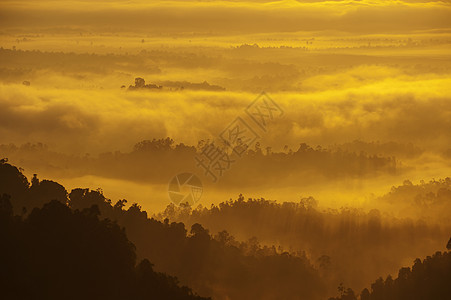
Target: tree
75, 255
345, 293
365, 294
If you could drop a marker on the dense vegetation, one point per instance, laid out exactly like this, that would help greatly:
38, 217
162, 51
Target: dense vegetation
212, 265
339, 241
159, 159
427, 279
57, 253
76, 242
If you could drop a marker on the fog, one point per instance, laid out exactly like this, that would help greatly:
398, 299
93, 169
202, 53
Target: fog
345, 172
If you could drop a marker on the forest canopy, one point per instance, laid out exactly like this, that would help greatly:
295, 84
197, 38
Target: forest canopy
213, 262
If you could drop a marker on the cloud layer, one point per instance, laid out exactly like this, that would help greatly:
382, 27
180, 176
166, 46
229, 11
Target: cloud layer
335, 108
227, 16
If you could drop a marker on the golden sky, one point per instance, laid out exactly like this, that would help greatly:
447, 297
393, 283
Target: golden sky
222, 17
376, 71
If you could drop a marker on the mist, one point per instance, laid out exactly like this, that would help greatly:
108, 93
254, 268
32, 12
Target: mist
225, 149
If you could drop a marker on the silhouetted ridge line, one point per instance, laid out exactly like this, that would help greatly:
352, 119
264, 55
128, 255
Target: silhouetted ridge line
427, 279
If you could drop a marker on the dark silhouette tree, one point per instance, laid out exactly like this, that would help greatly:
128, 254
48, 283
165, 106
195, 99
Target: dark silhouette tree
427, 279
57, 253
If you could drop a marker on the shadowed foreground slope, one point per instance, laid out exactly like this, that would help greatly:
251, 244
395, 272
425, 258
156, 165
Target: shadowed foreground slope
65, 249
57, 253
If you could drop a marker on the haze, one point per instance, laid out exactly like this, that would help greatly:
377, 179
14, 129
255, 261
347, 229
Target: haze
363, 135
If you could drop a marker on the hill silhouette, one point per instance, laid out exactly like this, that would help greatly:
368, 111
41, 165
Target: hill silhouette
56, 252
215, 265
340, 241
80, 233
157, 160
427, 279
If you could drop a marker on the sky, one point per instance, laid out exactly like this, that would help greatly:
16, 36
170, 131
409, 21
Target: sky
342, 71
348, 104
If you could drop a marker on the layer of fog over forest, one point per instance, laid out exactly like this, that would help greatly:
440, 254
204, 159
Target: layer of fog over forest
351, 183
